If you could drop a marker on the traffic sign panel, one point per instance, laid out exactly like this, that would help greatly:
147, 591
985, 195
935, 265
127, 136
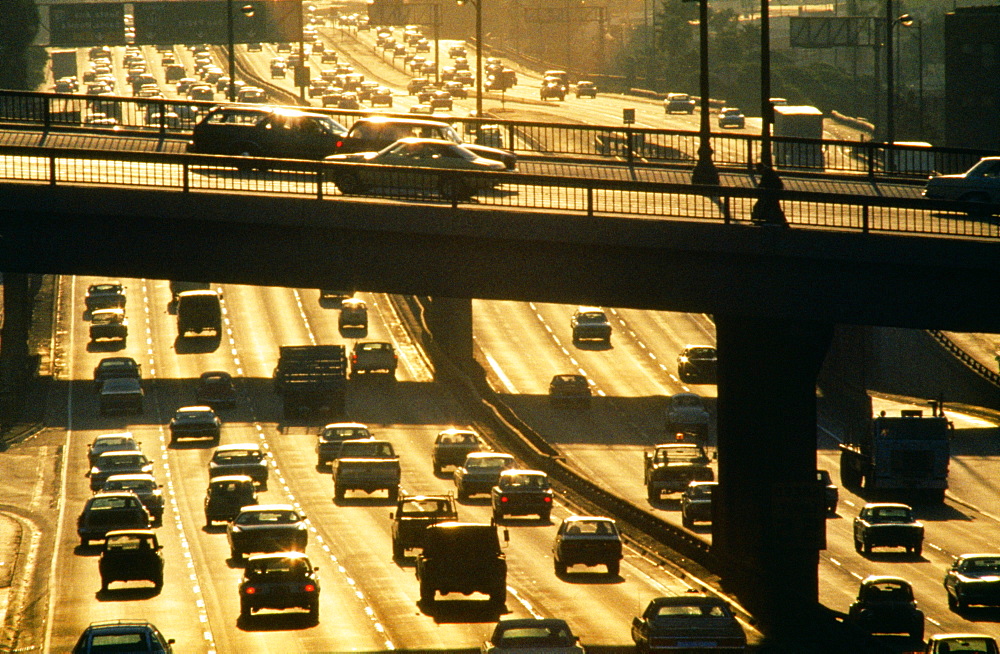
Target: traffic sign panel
82, 25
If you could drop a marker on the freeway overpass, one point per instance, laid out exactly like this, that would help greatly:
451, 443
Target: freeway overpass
775, 294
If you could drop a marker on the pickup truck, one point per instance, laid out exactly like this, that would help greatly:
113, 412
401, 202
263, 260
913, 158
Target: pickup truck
373, 356
413, 515
671, 466
366, 465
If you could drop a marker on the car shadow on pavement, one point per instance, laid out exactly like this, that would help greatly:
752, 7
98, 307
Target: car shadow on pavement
127, 594
593, 576
277, 621
449, 611
364, 500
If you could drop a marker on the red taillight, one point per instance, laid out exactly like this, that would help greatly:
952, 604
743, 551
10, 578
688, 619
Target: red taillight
309, 588
548, 499
340, 144
503, 498
250, 590
354, 358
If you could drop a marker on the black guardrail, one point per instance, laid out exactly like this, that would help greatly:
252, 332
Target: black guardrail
183, 172
177, 117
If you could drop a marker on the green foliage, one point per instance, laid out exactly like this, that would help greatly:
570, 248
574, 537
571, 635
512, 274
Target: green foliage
20, 63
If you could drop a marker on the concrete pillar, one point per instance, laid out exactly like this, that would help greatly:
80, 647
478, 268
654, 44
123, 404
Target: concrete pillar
450, 323
768, 515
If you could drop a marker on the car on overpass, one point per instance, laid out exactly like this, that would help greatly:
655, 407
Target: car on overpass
259, 131
980, 184
427, 156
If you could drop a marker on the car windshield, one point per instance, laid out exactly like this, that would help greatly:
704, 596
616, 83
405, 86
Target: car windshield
591, 527
105, 288
526, 482
278, 567
700, 491
592, 317
982, 567
345, 433
535, 637
673, 611
701, 353
194, 415
111, 503
267, 518
129, 461
487, 463
423, 506
685, 454
891, 514
237, 456
117, 643
686, 401
138, 485
114, 442
127, 542
823, 476
887, 591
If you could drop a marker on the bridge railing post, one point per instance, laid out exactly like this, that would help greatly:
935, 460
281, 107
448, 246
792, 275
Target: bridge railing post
319, 182
52, 170
185, 176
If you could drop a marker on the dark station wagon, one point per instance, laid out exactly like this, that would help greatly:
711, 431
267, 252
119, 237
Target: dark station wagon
257, 131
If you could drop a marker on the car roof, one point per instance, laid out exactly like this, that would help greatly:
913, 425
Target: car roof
486, 455
583, 309
515, 623
517, 471
587, 518
226, 479
883, 579
887, 505
687, 599
345, 425
267, 556
267, 507
979, 555
138, 476
118, 453
457, 430
118, 435
689, 446
215, 373
195, 408
131, 532
408, 121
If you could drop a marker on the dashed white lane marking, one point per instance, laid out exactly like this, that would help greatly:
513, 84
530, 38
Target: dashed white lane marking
286, 489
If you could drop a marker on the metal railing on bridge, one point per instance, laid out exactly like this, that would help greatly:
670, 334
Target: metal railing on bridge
189, 173
166, 118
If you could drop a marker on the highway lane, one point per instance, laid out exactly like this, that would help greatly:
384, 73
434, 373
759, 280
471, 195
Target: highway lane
369, 602
630, 379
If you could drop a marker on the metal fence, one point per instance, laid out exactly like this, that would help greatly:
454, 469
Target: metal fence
175, 118
188, 173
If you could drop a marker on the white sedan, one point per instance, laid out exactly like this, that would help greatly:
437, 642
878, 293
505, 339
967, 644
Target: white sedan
434, 157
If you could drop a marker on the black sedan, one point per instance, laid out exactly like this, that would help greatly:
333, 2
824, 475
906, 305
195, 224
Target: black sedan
284, 580
216, 389
267, 528
195, 422
973, 579
419, 153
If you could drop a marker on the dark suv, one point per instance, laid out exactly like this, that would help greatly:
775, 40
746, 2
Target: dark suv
123, 635
461, 557
131, 555
266, 132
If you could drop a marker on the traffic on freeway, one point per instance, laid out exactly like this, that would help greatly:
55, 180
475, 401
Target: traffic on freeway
353, 592
370, 597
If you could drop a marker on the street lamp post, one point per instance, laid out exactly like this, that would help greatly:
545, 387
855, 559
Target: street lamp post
704, 171
478, 4
768, 208
890, 91
906, 20
247, 11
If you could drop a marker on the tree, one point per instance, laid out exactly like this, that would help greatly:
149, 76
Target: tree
21, 64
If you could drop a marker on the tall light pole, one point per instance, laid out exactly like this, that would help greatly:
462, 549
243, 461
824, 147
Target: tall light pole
247, 11
768, 208
704, 171
906, 20
478, 4
890, 91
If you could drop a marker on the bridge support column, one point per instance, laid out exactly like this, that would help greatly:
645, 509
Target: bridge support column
450, 322
768, 518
